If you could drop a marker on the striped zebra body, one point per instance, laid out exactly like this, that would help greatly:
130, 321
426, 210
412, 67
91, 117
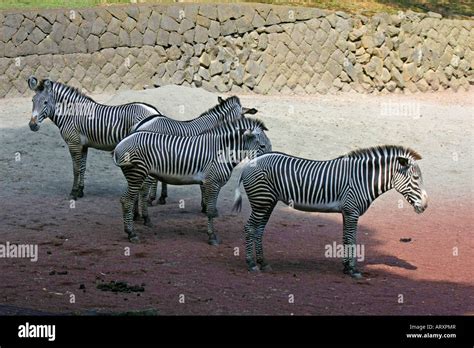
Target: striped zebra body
227, 110
346, 185
82, 122
190, 160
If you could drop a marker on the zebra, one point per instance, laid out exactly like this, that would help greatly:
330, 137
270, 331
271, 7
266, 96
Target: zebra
228, 109
347, 185
82, 122
206, 159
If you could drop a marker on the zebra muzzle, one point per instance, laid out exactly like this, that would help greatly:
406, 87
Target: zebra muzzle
33, 126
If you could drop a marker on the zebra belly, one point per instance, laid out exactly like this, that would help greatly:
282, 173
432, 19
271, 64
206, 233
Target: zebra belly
178, 179
331, 207
99, 146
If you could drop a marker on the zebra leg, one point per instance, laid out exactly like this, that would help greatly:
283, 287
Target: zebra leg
152, 194
203, 199
350, 220
76, 155
256, 226
80, 192
164, 193
249, 242
264, 266
135, 178
136, 209
144, 192
212, 192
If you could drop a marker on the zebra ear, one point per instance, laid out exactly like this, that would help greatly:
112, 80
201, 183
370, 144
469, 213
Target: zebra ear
220, 100
33, 83
251, 111
404, 162
247, 133
48, 84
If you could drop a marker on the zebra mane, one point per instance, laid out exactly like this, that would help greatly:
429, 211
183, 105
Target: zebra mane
222, 106
237, 124
66, 88
390, 149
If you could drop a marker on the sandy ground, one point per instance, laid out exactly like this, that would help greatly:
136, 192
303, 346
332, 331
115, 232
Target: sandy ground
87, 241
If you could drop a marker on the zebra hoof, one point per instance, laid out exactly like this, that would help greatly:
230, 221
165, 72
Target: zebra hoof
354, 273
148, 222
253, 269
134, 239
266, 268
213, 241
80, 192
162, 200
73, 195
150, 202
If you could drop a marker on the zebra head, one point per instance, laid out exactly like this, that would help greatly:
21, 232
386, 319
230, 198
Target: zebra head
408, 181
43, 101
255, 141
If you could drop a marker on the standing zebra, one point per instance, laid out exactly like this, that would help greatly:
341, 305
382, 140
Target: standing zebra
206, 159
83, 123
347, 185
229, 109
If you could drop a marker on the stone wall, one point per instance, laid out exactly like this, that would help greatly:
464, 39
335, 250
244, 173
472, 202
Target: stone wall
235, 47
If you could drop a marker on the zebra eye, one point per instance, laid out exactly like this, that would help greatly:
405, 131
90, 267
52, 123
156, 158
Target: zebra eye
45, 102
416, 177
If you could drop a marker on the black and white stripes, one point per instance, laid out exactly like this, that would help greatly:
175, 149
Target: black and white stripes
190, 160
83, 123
347, 184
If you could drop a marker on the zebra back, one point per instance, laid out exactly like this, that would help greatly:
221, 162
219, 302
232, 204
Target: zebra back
227, 110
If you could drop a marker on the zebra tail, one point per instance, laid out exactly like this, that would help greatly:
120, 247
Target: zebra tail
238, 196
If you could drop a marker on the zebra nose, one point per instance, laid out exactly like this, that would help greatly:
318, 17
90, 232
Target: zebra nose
33, 126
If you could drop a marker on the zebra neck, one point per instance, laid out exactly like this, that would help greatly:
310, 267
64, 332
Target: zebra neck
231, 149
70, 103
377, 173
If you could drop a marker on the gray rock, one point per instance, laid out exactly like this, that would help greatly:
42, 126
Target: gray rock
36, 36
149, 38
228, 27
356, 34
20, 36
67, 46
214, 30
124, 38
391, 85
162, 37
169, 24
208, 10
175, 39
258, 21
200, 34
374, 67
92, 43
84, 29
215, 68
173, 53
204, 73
325, 83
333, 67
43, 24
99, 26
114, 26
48, 46
129, 24
185, 25
397, 77
154, 21
13, 20
136, 38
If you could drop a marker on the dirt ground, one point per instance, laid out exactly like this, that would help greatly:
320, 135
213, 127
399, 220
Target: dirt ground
84, 245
